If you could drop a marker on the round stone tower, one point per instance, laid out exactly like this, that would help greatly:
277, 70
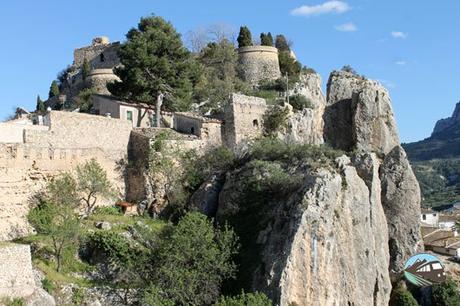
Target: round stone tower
99, 78
257, 63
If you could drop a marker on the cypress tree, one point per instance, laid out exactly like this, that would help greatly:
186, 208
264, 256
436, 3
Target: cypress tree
40, 105
85, 69
245, 37
54, 89
266, 39
282, 44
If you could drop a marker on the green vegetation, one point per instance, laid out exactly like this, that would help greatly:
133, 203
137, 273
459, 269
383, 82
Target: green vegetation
85, 69
13, 302
41, 108
54, 89
275, 119
402, 297
266, 39
439, 181
219, 77
92, 183
155, 61
348, 68
446, 294
300, 102
47, 285
83, 100
289, 66
245, 37
245, 299
282, 44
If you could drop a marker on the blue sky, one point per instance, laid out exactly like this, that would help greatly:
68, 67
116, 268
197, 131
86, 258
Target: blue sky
411, 46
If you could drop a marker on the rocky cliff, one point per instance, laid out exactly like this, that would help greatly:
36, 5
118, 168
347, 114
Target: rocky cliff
340, 228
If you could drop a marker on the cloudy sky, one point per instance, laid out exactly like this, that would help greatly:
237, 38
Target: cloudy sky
411, 46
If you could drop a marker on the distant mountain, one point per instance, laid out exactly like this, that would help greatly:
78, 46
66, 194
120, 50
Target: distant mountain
436, 162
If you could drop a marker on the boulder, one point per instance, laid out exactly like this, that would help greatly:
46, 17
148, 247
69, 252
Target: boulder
206, 198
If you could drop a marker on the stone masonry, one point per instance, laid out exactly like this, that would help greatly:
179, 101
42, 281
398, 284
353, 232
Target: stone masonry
259, 63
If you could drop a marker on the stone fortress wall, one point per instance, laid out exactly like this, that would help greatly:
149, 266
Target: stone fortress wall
259, 63
69, 139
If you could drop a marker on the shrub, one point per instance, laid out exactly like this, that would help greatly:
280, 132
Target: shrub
266, 39
245, 299
84, 101
282, 44
13, 302
277, 85
112, 245
108, 210
54, 89
289, 66
300, 102
47, 285
308, 70
446, 294
275, 119
402, 297
348, 68
192, 260
78, 296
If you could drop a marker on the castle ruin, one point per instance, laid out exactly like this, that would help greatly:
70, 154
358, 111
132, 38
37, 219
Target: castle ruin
259, 63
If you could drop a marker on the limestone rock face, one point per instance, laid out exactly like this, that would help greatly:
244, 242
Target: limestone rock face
206, 198
306, 126
401, 201
326, 244
443, 124
359, 114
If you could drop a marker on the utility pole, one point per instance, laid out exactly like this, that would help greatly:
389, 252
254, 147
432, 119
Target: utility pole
287, 87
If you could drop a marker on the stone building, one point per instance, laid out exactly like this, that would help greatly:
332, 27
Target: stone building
243, 119
203, 127
257, 63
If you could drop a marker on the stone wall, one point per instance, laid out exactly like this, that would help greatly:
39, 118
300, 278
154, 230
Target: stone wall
14, 133
93, 55
207, 129
257, 63
243, 119
72, 139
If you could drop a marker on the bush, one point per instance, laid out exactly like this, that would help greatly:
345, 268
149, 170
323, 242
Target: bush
13, 302
446, 294
245, 299
47, 285
402, 297
277, 85
275, 119
289, 66
348, 68
300, 102
108, 210
308, 70
282, 44
112, 245
192, 260
266, 39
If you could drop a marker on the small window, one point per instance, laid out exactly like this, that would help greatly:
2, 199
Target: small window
129, 115
102, 57
192, 130
255, 123
424, 217
434, 215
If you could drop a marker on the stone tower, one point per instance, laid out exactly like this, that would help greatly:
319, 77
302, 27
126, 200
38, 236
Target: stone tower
257, 63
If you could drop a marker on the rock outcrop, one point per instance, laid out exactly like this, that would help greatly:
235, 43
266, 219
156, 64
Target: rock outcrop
323, 245
446, 123
306, 126
359, 114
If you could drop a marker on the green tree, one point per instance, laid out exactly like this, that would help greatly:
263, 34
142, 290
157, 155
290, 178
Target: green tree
54, 89
41, 108
266, 39
289, 66
245, 37
282, 44
154, 61
446, 294
245, 299
402, 297
85, 69
192, 260
84, 101
55, 217
92, 183
348, 68
219, 78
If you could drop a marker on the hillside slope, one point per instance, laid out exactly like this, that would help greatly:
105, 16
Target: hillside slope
436, 162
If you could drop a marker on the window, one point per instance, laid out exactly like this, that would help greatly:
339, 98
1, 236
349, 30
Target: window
129, 115
255, 123
192, 130
102, 57
434, 215
424, 217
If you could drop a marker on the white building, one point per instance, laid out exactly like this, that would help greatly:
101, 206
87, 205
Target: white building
429, 218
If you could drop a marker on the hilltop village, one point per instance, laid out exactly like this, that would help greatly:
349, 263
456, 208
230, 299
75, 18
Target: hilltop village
232, 152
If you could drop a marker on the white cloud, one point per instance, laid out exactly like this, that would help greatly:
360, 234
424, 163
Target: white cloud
347, 27
401, 63
337, 7
398, 34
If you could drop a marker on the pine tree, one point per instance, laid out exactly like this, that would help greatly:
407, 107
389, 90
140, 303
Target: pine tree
282, 44
270, 39
154, 60
245, 37
54, 89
